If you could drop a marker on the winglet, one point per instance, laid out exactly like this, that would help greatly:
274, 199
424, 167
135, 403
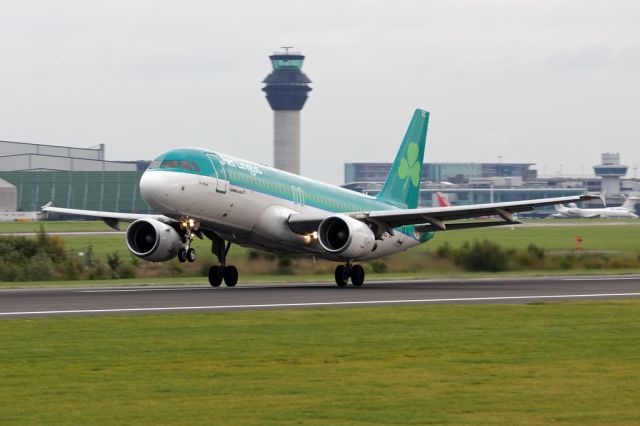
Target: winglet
592, 196
49, 204
603, 199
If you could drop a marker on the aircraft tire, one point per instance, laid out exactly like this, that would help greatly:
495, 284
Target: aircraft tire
182, 255
191, 255
342, 277
215, 276
357, 275
230, 276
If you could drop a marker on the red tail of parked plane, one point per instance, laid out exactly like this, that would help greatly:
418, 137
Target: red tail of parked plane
442, 200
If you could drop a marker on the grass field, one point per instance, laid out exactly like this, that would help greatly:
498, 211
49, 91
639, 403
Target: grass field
55, 226
597, 236
572, 363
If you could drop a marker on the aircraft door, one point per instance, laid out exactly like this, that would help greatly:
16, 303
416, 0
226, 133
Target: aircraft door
220, 173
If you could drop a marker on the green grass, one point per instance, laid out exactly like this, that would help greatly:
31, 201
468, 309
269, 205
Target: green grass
55, 226
574, 363
624, 238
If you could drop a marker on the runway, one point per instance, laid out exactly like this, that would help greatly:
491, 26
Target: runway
171, 299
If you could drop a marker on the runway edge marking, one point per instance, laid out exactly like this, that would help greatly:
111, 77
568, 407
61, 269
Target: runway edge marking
315, 304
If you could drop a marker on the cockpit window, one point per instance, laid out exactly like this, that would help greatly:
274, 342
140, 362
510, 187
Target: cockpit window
169, 164
174, 164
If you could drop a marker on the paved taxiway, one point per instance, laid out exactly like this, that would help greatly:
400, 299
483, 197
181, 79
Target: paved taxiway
126, 300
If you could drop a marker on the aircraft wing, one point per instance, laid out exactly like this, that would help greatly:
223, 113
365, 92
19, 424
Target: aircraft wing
110, 218
436, 218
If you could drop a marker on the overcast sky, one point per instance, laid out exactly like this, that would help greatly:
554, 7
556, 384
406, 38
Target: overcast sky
546, 81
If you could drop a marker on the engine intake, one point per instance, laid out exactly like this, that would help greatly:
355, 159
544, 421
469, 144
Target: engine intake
347, 237
152, 240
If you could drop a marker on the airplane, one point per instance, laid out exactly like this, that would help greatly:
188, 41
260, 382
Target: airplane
199, 192
442, 200
626, 210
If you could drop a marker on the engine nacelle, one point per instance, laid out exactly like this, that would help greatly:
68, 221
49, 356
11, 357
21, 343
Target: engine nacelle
347, 237
152, 240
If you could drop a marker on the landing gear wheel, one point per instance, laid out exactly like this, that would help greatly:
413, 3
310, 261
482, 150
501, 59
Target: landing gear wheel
191, 255
357, 275
182, 255
342, 276
215, 276
230, 276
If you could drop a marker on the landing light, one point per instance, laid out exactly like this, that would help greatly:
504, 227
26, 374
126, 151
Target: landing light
309, 237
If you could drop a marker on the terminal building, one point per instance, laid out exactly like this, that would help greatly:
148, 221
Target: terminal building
71, 177
477, 183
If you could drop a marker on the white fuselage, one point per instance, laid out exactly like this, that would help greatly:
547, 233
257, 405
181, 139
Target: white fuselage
608, 212
243, 216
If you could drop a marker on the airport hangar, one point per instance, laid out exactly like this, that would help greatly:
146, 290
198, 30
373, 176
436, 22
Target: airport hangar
78, 178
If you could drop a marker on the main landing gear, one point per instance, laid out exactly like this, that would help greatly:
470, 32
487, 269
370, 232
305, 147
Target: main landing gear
222, 272
189, 226
344, 272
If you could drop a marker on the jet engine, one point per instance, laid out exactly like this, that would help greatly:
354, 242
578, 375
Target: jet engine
347, 237
152, 240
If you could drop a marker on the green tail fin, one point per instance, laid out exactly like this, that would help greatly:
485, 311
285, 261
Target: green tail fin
402, 186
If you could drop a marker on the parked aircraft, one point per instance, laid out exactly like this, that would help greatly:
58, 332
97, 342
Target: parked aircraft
626, 210
442, 200
199, 192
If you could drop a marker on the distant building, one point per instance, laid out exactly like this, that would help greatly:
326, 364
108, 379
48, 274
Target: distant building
71, 177
441, 172
30, 156
474, 183
8, 196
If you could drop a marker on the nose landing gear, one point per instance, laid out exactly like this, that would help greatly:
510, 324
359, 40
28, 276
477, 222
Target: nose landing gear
344, 272
189, 226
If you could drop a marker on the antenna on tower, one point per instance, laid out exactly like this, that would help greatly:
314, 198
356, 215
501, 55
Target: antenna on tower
286, 49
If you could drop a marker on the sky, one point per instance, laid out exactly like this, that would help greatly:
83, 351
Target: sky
551, 82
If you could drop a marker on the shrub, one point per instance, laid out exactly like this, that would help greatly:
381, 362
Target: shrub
535, 251
40, 268
379, 266
253, 254
99, 271
285, 265
113, 260
126, 270
481, 256
444, 250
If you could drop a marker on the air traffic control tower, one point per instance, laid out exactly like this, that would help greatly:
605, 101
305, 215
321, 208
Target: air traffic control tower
287, 88
610, 171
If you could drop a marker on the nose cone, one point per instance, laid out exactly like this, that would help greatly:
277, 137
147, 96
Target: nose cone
154, 187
